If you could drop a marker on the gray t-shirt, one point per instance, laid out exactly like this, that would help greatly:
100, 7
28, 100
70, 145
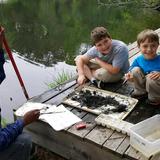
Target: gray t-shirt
117, 57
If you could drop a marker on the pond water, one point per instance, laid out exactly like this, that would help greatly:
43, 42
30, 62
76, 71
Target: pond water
45, 36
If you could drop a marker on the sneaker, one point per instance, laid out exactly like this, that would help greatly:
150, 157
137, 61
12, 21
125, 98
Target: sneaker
153, 103
139, 96
98, 84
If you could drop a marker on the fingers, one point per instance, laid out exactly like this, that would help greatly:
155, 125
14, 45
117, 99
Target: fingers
154, 75
31, 116
37, 113
127, 76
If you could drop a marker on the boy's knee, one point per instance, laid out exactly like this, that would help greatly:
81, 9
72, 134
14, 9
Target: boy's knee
102, 75
77, 58
136, 70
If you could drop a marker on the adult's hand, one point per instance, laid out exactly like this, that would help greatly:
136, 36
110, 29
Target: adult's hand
31, 116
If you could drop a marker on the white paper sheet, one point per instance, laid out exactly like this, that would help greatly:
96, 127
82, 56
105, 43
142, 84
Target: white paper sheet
61, 118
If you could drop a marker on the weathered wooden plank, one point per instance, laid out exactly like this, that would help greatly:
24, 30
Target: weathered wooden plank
125, 89
46, 96
158, 31
113, 86
155, 157
89, 118
143, 158
132, 153
133, 52
99, 135
114, 142
132, 46
66, 145
79, 112
123, 146
59, 98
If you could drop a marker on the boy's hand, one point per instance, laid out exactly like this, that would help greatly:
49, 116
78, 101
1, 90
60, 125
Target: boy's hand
31, 116
81, 79
128, 76
154, 75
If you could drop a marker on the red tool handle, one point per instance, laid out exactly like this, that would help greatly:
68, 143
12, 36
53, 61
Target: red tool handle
4, 41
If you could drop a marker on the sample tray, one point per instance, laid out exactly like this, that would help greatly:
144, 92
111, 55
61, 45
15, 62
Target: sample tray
90, 98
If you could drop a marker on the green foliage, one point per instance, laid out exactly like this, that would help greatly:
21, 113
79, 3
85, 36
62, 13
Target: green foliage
3, 122
51, 31
61, 78
144, 3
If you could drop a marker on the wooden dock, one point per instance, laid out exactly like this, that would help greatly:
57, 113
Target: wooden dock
94, 142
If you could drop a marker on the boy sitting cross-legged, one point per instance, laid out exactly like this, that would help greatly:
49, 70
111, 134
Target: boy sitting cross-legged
145, 70
106, 61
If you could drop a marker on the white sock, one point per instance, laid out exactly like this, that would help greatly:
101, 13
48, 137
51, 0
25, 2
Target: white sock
93, 79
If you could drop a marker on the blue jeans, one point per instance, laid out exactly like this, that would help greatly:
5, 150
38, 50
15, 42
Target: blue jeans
18, 150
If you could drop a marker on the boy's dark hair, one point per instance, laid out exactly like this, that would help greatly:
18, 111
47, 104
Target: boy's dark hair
148, 34
98, 34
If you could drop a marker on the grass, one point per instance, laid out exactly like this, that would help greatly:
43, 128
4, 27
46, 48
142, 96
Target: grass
62, 77
3, 122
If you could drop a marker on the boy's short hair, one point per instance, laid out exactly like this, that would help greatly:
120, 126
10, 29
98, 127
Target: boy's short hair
148, 34
98, 34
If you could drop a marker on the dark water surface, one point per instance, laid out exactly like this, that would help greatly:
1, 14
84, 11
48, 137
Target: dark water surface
55, 31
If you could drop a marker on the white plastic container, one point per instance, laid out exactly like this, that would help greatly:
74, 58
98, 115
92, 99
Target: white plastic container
145, 136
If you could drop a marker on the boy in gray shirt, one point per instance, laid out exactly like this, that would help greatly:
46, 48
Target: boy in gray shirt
106, 61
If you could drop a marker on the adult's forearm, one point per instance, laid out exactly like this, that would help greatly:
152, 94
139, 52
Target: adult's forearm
10, 133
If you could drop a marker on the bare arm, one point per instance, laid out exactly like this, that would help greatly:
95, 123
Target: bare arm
81, 61
108, 67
